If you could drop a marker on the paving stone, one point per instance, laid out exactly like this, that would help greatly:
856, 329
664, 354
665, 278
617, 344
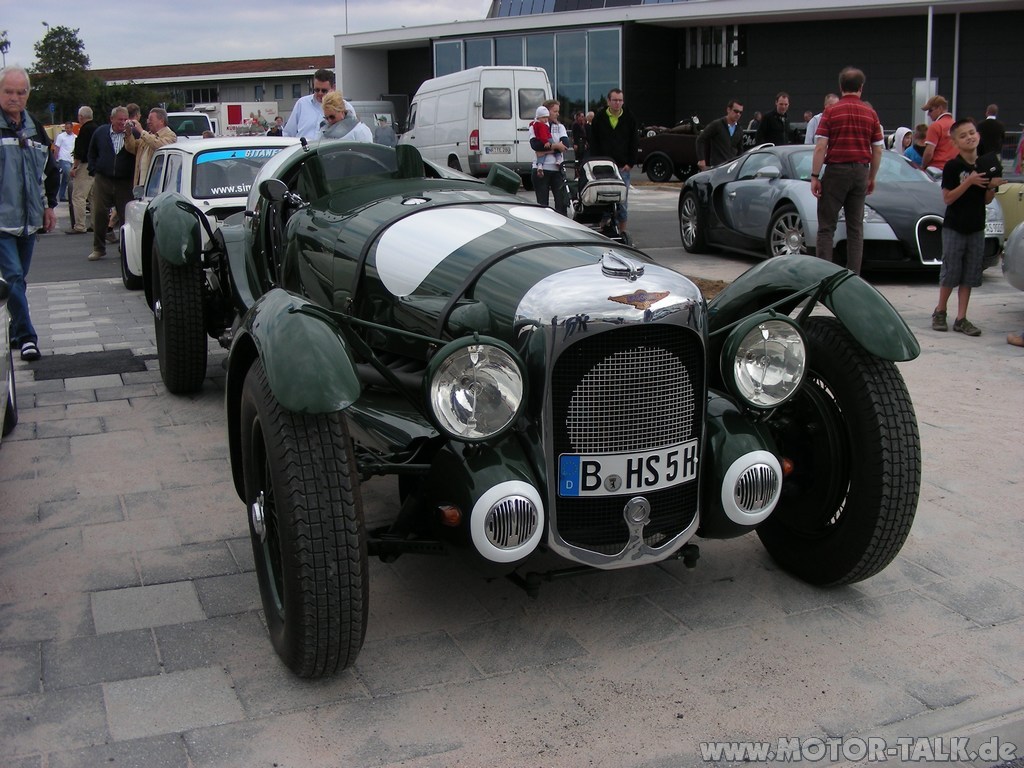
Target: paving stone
192, 561
234, 593
44, 722
99, 659
220, 641
178, 701
88, 511
130, 536
51, 617
19, 669
509, 644
151, 606
166, 751
980, 598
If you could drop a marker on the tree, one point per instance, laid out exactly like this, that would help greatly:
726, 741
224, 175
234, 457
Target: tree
59, 74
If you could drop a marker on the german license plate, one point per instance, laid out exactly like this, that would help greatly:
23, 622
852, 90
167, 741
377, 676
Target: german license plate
614, 474
498, 149
994, 228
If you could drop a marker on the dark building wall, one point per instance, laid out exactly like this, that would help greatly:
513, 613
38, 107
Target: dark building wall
650, 57
804, 59
409, 68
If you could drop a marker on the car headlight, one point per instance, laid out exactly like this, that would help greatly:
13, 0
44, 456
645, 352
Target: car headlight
871, 216
764, 360
475, 388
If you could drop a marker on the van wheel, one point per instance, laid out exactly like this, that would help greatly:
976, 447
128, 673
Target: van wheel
453, 163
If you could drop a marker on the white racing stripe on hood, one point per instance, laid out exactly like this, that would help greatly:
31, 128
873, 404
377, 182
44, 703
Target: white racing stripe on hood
412, 247
545, 216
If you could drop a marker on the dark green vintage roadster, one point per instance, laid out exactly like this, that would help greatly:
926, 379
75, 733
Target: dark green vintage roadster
550, 401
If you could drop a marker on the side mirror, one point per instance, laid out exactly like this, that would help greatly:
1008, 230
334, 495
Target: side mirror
768, 172
274, 190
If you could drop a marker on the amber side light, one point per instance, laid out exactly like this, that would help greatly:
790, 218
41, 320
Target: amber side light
787, 467
450, 515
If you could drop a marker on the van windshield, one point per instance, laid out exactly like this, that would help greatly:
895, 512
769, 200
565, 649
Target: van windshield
188, 124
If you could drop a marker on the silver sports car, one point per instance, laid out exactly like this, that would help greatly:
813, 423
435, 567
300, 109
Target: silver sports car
761, 203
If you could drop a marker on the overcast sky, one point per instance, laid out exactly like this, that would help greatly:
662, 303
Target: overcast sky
186, 31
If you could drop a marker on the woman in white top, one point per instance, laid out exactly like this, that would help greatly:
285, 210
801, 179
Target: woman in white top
548, 175
339, 124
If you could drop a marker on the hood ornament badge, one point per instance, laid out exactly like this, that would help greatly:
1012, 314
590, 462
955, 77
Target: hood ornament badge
640, 299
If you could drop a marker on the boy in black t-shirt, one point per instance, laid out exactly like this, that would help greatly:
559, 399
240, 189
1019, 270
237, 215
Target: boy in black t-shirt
965, 192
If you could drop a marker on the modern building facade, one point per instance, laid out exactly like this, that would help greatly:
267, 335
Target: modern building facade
675, 59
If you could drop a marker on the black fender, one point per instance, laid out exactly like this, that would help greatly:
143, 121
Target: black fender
785, 281
309, 366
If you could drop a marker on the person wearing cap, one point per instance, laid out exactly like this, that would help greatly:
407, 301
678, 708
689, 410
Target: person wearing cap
547, 169
938, 149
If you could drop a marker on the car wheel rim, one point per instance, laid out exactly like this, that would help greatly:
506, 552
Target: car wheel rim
688, 221
787, 235
265, 507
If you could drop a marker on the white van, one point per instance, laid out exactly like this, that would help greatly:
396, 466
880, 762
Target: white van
477, 118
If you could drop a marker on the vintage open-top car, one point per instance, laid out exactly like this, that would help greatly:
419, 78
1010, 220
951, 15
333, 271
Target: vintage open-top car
542, 394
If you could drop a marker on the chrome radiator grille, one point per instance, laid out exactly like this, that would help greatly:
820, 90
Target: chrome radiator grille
637, 388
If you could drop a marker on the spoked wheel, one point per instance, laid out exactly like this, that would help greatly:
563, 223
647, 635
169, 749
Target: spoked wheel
307, 530
691, 228
658, 168
851, 433
786, 233
179, 322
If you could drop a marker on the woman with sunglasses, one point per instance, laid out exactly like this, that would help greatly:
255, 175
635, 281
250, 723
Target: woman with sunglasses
340, 123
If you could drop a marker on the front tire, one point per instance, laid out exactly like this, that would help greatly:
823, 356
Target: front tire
691, 225
10, 413
658, 168
852, 436
786, 234
131, 282
307, 530
179, 322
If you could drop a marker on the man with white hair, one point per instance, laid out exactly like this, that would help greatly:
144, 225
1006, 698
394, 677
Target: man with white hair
28, 196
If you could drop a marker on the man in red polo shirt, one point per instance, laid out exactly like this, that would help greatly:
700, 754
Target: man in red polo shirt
848, 142
938, 147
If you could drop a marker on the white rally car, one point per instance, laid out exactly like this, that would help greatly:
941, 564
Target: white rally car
214, 174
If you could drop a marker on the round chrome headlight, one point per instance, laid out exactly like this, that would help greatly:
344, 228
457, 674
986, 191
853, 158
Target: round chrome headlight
764, 360
475, 388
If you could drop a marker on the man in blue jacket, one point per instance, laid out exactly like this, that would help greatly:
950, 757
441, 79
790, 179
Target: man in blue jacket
28, 196
112, 167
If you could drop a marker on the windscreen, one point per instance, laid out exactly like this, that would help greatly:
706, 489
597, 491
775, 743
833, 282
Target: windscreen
220, 173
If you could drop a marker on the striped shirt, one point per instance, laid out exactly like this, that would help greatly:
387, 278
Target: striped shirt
851, 129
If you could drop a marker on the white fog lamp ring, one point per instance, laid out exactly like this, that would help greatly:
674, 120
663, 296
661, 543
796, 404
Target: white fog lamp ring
475, 388
764, 360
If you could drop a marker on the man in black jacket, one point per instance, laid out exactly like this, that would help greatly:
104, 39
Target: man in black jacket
774, 128
112, 167
722, 139
615, 133
991, 131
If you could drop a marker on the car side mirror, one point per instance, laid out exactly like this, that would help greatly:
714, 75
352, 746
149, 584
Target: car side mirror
274, 190
768, 172
139, 191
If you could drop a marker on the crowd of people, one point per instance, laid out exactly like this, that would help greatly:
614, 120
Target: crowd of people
101, 164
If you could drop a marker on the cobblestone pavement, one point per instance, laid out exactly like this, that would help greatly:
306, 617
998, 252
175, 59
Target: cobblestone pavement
131, 632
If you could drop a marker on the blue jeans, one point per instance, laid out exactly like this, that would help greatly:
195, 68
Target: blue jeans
65, 179
15, 258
